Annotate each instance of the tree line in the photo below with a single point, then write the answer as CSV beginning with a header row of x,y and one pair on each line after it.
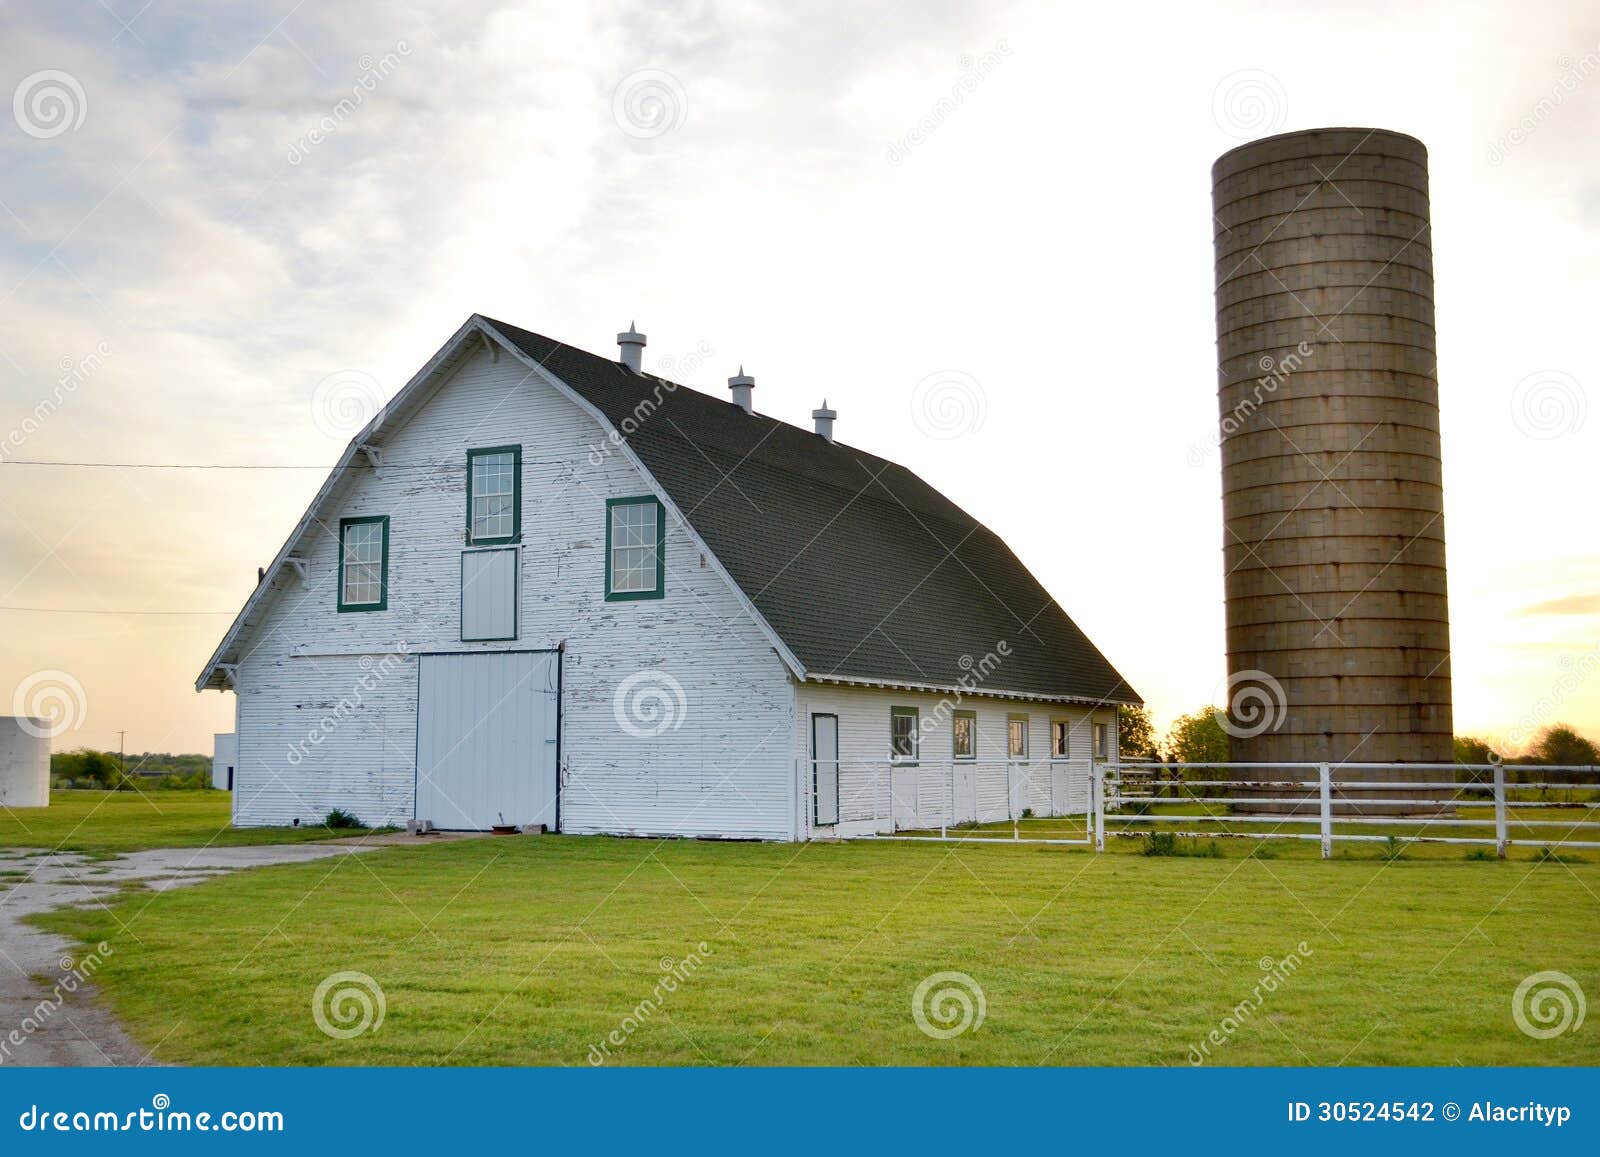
x,y
89,768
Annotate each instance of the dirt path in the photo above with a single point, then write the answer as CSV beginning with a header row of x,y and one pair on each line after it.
x,y
48,1014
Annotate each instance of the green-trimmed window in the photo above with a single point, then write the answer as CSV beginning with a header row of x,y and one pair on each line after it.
x,y
1017,736
964,735
364,563
494,495
1060,739
903,734
636,530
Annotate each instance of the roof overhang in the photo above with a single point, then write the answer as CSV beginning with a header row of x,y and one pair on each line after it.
x,y
965,692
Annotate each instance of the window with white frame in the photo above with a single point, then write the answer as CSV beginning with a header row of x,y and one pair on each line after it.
x,y
903,731
1060,739
964,735
1017,736
364,563
1102,749
494,495
635,566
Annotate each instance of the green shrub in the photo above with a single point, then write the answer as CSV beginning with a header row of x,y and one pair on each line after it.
x,y
339,818
1170,844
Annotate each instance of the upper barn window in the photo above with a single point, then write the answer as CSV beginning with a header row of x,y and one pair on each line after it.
x,y
364,563
494,495
635,557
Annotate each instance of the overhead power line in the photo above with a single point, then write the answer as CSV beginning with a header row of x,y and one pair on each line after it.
x,y
92,611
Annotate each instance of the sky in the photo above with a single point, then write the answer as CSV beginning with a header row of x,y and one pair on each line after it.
x,y
981,231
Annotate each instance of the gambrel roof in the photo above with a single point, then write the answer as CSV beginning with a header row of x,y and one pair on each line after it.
x,y
857,569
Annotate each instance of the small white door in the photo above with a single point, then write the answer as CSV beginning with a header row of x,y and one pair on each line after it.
x,y
966,792
486,739
825,768
906,781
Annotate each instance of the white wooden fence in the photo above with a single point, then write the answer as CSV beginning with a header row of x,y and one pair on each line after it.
x,y
1331,803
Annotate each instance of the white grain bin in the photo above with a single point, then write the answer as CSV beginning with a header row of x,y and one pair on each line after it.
x,y
224,754
24,762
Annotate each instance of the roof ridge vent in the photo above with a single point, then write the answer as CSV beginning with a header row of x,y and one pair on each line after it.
x,y
824,420
632,345
742,384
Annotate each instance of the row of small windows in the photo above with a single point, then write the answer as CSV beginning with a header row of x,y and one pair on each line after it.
x,y
635,562
905,734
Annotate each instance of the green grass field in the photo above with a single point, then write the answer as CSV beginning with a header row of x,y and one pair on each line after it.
x,y
126,821
536,950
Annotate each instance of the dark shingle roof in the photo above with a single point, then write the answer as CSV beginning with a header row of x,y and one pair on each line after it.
x,y
861,568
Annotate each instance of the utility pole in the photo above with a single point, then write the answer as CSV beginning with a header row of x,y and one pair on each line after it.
x,y
122,755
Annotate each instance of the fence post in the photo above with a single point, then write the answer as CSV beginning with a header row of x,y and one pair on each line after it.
x,y
1500,840
1325,784
1099,806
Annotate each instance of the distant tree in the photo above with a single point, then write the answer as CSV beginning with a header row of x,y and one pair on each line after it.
x,y
1470,750
1198,737
1136,734
98,767
1561,744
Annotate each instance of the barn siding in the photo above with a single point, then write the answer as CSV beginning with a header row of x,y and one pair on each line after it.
x,y
865,774
725,768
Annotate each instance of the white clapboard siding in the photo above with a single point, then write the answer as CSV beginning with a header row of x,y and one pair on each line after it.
x,y
982,789
489,595
721,766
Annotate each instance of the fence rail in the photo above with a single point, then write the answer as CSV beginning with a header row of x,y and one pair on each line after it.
x,y
966,802
1129,801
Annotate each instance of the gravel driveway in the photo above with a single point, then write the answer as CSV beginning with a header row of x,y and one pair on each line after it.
x,y
48,1015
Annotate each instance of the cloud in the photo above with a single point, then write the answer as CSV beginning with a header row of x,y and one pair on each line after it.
x,y
1566,605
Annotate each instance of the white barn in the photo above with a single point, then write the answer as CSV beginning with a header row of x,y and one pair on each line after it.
x,y
546,587
224,747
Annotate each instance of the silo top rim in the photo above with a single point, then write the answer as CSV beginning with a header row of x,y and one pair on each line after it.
x,y
1368,134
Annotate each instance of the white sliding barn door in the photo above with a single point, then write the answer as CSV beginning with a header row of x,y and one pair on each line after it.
x,y
486,739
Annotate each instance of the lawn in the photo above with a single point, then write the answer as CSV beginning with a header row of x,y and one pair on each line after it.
x,y
126,821
541,950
